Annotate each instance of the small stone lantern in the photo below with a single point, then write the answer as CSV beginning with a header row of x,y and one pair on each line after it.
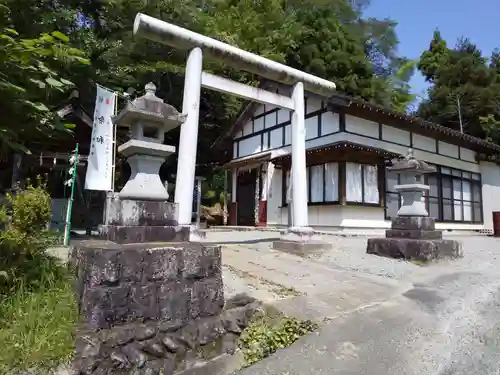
x,y
149,118
412,186
413,234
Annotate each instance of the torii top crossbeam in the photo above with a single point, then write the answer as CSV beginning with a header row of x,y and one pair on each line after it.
x,y
160,31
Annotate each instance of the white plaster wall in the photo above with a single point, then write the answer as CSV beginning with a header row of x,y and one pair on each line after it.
x,y
312,127
276,138
392,134
403,150
247,129
329,123
361,126
265,142
335,217
274,199
424,143
467,155
271,119
313,105
490,174
288,135
258,123
260,110
283,115
250,146
448,149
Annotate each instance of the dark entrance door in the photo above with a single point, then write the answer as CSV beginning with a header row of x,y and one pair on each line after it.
x,y
245,195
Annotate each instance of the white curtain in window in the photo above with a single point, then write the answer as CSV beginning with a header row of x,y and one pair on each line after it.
x,y
331,182
457,210
457,203
466,191
317,183
353,183
467,197
467,211
457,189
371,184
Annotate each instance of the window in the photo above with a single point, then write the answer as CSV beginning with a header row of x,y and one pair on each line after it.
x,y
331,182
316,192
322,183
362,183
453,195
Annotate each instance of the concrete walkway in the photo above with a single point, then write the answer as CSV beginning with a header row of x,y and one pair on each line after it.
x,y
379,316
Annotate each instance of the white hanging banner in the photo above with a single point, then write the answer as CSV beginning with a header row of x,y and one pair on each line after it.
x,y
100,162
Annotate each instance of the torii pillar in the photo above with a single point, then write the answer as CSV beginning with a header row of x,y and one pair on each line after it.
x,y
300,235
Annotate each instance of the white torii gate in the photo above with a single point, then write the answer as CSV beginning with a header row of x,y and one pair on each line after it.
x,y
178,37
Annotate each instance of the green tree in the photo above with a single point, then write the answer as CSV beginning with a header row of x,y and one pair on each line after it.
x,y
330,38
465,87
31,82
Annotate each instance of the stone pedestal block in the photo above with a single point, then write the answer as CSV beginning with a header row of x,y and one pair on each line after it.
x,y
415,249
414,238
139,221
121,283
153,310
301,242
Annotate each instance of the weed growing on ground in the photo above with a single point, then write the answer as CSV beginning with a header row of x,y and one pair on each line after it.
x,y
36,325
266,335
37,304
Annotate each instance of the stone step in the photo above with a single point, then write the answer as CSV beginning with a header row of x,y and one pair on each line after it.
x,y
413,223
417,234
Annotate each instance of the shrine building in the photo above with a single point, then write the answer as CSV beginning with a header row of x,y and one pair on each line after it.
x,y
349,142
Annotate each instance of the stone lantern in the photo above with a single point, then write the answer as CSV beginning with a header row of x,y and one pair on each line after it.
x,y
140,211
148,118
413,235
412,187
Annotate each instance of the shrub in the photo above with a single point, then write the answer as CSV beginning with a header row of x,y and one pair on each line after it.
x,y
25,238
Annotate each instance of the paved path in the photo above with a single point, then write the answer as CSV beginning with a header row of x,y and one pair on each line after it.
x,y
380,316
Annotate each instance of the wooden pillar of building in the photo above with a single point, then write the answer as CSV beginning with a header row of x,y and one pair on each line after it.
x,y
266,177
233,207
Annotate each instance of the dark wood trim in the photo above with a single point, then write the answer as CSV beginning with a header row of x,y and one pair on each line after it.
x,y
403,145
342,127
342,184
320,124
381,183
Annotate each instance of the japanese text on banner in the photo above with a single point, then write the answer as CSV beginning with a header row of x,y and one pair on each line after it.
x,y
100,162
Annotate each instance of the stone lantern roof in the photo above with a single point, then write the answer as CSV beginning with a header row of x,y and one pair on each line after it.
x,y
410,164
150,109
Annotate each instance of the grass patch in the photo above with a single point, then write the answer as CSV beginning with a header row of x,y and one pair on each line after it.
x,y
418,262
36,326
267,334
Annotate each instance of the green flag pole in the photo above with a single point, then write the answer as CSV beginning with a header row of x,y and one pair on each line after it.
x,y
73,161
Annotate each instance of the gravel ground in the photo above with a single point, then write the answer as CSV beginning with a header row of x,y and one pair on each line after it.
x,y
382,316
481,253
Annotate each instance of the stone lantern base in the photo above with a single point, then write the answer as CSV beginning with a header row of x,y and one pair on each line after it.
x,y
139,221
414,238
301,241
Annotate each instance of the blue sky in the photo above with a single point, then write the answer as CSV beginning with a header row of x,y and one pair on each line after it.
x,y
478,20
